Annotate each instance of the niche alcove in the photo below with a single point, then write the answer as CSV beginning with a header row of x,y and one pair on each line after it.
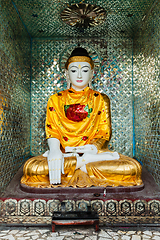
x,y
36,40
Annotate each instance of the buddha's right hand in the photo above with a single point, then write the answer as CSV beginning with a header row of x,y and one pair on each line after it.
x,y
54,161
88,148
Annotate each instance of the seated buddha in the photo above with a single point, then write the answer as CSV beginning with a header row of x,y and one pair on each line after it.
x,y
78,130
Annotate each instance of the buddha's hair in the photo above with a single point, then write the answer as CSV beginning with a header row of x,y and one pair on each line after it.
x,y
79,55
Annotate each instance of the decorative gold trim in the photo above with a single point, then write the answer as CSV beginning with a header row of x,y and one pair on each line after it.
x,y
79,59
83,15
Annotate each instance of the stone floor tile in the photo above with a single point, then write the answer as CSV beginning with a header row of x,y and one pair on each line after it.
x,y
104,234
130,232
75,233
35,237
23,238
32,233
104,238
24,232
19,234
111,233
59,238
53,234
156,237
68,238
149,233
156,233
136,237
91,238
8,237
146,236
115,237
84,231
46,235
13,232
78,236
121,232
43,231
2,234
66,233
124,237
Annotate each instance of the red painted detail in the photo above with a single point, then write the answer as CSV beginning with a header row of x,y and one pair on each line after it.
x,y
84,138
76,112
75,222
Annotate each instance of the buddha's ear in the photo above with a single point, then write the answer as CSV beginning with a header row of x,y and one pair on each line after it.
x,y
92,73
90,81
66,73
67,79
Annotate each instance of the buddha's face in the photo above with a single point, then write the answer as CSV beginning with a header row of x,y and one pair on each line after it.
x,y
80,74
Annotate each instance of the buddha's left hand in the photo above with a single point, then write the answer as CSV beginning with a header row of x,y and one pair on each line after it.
x,y
89,157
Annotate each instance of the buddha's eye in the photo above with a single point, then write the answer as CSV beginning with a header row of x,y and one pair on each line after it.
x,y
85,70
73,71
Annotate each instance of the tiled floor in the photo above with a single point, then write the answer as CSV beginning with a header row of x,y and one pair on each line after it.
x,y
80,233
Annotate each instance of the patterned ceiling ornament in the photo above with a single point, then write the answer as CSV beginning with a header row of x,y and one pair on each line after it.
x,y
83,15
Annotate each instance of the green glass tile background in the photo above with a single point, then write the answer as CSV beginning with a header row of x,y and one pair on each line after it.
x,y
14,95
147,93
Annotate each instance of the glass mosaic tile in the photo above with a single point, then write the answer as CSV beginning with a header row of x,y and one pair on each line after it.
x,y
14,95
146,94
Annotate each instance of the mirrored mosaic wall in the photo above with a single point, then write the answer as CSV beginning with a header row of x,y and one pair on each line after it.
x,y
43,17
14,95
146,93
113,76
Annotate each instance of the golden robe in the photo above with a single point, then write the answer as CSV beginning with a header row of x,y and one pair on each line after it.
x,y
77,119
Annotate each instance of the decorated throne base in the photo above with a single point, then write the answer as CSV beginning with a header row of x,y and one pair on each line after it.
x,y
114,208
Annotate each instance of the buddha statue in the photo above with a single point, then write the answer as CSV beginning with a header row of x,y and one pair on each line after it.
x,y
78,130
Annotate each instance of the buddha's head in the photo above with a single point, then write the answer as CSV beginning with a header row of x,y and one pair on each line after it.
x,y
79,69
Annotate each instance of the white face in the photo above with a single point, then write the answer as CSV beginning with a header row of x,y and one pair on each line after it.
x,y
80,74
